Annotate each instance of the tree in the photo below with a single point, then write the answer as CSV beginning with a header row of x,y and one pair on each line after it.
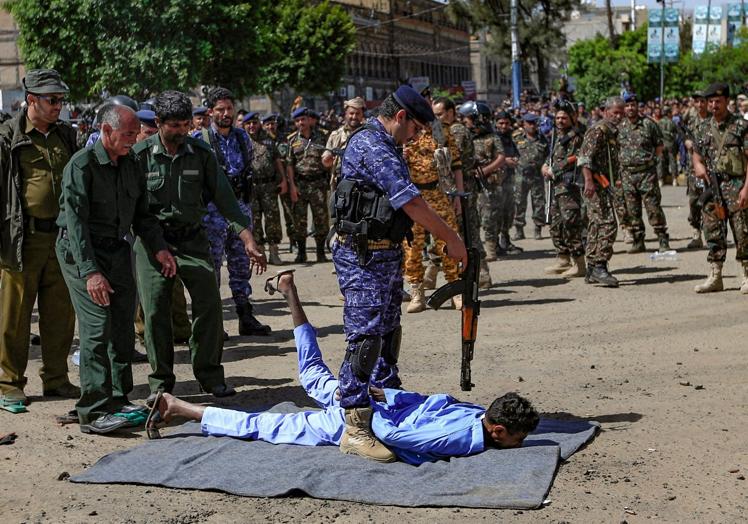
x,y
539,26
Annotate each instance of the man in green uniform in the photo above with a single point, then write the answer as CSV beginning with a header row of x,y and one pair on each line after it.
x,y
103,195
722,154
692,124
182,176
34,148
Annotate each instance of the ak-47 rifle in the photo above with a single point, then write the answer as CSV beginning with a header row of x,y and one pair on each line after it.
x,y
549,181
467,286
712,193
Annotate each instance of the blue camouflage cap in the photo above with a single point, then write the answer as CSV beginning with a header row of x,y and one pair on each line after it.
x,y
530,118
629,97
414,104
299,112
199,110
147,117
252,115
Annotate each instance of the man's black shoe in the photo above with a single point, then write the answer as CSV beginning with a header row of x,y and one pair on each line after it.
x,y
222,390
300,253
132,408
511,249
638,246
248,324
35,339
600,275
104,424
138,357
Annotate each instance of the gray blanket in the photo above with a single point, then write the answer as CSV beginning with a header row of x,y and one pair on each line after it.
x,y
515,478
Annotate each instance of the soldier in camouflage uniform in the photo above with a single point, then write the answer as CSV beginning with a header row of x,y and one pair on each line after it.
x,y
503,203
692,123
419,155
641,146
267,175
598,158
270,125
444,109
567,221
668,164
354,118
307,184
533,150
722,153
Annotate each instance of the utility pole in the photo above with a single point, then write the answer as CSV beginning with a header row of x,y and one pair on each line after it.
x,y
662,55
633,15
708,20
516,66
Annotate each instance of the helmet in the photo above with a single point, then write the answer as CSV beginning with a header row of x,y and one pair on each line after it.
x,y
479,112
148,104
123,100
468,109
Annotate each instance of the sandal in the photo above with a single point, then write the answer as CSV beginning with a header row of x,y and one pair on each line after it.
x,y
13,406
270,287
154,417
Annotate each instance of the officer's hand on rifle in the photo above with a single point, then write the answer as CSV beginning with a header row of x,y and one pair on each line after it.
x,y
455,248
254,252
699,169
511,161
546,170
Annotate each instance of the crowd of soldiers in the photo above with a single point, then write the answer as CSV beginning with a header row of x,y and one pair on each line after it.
x,y
177,189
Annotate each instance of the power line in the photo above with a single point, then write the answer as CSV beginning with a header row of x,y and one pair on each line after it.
x,y
381,23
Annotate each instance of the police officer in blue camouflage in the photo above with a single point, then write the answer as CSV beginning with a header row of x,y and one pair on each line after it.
x,y
375,204
233,149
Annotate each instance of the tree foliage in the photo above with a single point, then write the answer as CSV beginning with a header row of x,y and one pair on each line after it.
x,y
598,69
145,46
539,27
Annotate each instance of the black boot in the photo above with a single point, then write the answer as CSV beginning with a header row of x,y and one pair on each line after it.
x,y
248,324
321,257
300,252
638,245
600,275
664,239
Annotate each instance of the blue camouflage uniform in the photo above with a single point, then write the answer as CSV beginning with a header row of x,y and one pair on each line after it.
x,y
373,291
222,238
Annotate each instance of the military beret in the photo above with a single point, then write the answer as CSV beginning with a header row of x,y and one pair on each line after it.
x,y
629,97
698,94
268,118
44,81
199,110
252,115
717,89
530,118
312,114
298,113
503,115
147,117
414,104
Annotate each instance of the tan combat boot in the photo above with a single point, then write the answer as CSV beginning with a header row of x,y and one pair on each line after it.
x,y
429,277
563,262
578,268
484,278
744,283
490,247
713,282
358,438
274,259
417,299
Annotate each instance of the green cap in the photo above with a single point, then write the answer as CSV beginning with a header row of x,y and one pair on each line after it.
x,y
44,81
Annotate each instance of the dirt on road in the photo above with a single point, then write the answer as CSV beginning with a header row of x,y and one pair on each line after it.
x,y
661,368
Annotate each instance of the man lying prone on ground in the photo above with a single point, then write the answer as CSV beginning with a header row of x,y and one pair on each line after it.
x,y
413,427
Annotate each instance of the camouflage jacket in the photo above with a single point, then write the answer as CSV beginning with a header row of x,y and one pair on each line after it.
x,y
305,155
563,157
533,152
488,146
732,135
638,142
419,153
264,155
599,149
669,132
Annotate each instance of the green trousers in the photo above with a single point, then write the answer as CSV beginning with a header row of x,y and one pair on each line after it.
x,y
180,321
106,336
40,280
195,268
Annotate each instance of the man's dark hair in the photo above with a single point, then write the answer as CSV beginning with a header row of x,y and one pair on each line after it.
x,y
216,94
446,102
389,108
173,105
513,412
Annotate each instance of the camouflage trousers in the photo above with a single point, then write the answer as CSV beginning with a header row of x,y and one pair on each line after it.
x,y
715,232
287,208
667,164
414,269
223,240
641,188
601,227
619,203
313,194
372,295
694,189
496,207
535,187
473,223
265,204
566,221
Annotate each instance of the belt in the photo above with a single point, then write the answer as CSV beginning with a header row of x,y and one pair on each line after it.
x,y
45,225
178,232
107,243
372,245
312,178
635,170
428,185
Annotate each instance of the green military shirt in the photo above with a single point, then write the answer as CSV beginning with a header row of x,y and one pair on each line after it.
x,y
638,142
669,131
488,146
264,155
724,146
532,153
41,164
305,155
101,199
180,186
563,159
599,150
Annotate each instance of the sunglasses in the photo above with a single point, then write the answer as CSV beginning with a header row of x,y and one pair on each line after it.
x,y
53,100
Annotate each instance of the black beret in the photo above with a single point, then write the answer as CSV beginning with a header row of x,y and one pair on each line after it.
x,y
717,89
298,113
414,104
199,110
252,115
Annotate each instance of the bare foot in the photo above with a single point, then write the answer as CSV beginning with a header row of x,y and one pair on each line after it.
x,y
170,407
286,284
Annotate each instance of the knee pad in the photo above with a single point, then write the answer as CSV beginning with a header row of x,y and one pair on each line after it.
x,y
391,345
364,357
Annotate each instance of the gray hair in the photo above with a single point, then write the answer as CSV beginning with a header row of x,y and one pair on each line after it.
x,y
614,101
112,114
